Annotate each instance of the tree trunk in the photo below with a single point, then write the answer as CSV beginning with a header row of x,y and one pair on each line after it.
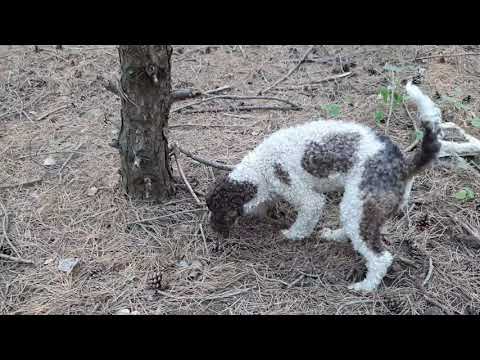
x,y
145,91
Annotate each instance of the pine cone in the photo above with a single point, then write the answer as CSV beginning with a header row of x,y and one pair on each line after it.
x,y
5,250
157,281
394,304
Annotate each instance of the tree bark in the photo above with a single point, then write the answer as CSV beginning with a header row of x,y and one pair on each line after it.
x,y
143,144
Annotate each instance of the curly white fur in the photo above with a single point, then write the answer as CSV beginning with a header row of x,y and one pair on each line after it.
x,y
307,192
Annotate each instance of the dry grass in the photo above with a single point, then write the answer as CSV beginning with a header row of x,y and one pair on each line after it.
x,y
52,104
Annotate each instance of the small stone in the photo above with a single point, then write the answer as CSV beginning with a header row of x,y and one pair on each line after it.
x,y
123,312
92,191
67,265
49,161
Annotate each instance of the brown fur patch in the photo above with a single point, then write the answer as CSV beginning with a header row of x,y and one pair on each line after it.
x,y
375,212
282,174
336,153
225,200
386,171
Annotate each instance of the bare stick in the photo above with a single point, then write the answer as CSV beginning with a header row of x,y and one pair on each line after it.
x,y
26,183
16,259
223,295
184,178
5,228
417,139
390,110
406,261
217,90
445,55
68,159
296,281
233,97
204,161
202,233
48,113
207,126
290,72
430,271
314,82
241,108
163,216
182,94
243,51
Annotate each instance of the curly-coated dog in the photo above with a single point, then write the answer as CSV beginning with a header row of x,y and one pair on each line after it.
x,y
302,163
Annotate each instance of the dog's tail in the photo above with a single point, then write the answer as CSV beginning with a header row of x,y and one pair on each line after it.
x,y
430,117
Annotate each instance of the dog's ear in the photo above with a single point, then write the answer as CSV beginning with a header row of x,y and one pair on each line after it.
x,y
214,193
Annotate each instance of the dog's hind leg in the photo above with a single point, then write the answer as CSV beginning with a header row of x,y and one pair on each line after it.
x,y
309,206
338,235
362,220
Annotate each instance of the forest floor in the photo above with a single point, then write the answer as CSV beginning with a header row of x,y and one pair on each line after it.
x,y
60,196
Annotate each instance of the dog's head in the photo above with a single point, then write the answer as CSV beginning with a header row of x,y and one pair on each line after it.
x,y
225,200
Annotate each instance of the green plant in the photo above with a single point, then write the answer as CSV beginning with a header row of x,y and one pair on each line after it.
x,y
333,110
466,194
418,135
379,117
476,122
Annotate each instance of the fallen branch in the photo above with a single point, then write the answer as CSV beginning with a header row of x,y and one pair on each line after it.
x,y
183,94
417,140
445,55
201,298
204,161
48,113
26,183
430,271
163,216
206,126
314,82
184,178
176,95
5,229
233,97
290,72
16,259
69,158
296,281
240,108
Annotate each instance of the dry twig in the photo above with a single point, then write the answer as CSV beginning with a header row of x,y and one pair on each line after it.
x,y
445,55
204,161
429,273
25,183
15,259
50,112
184,178
233,97
310,49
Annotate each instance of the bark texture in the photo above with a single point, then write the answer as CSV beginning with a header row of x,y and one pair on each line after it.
x,y
143,144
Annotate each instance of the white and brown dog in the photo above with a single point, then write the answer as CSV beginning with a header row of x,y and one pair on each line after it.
x,y
302,163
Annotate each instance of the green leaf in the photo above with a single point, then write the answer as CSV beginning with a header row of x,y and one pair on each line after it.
x,y
397,98
333,110
393,68
476,122
418,135
466,194
385,93
379,116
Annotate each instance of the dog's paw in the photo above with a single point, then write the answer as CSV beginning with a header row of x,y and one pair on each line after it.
x,y
337,235
290,235
362,287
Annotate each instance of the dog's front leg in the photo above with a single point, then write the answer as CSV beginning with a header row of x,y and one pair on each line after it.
x,y
309,210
